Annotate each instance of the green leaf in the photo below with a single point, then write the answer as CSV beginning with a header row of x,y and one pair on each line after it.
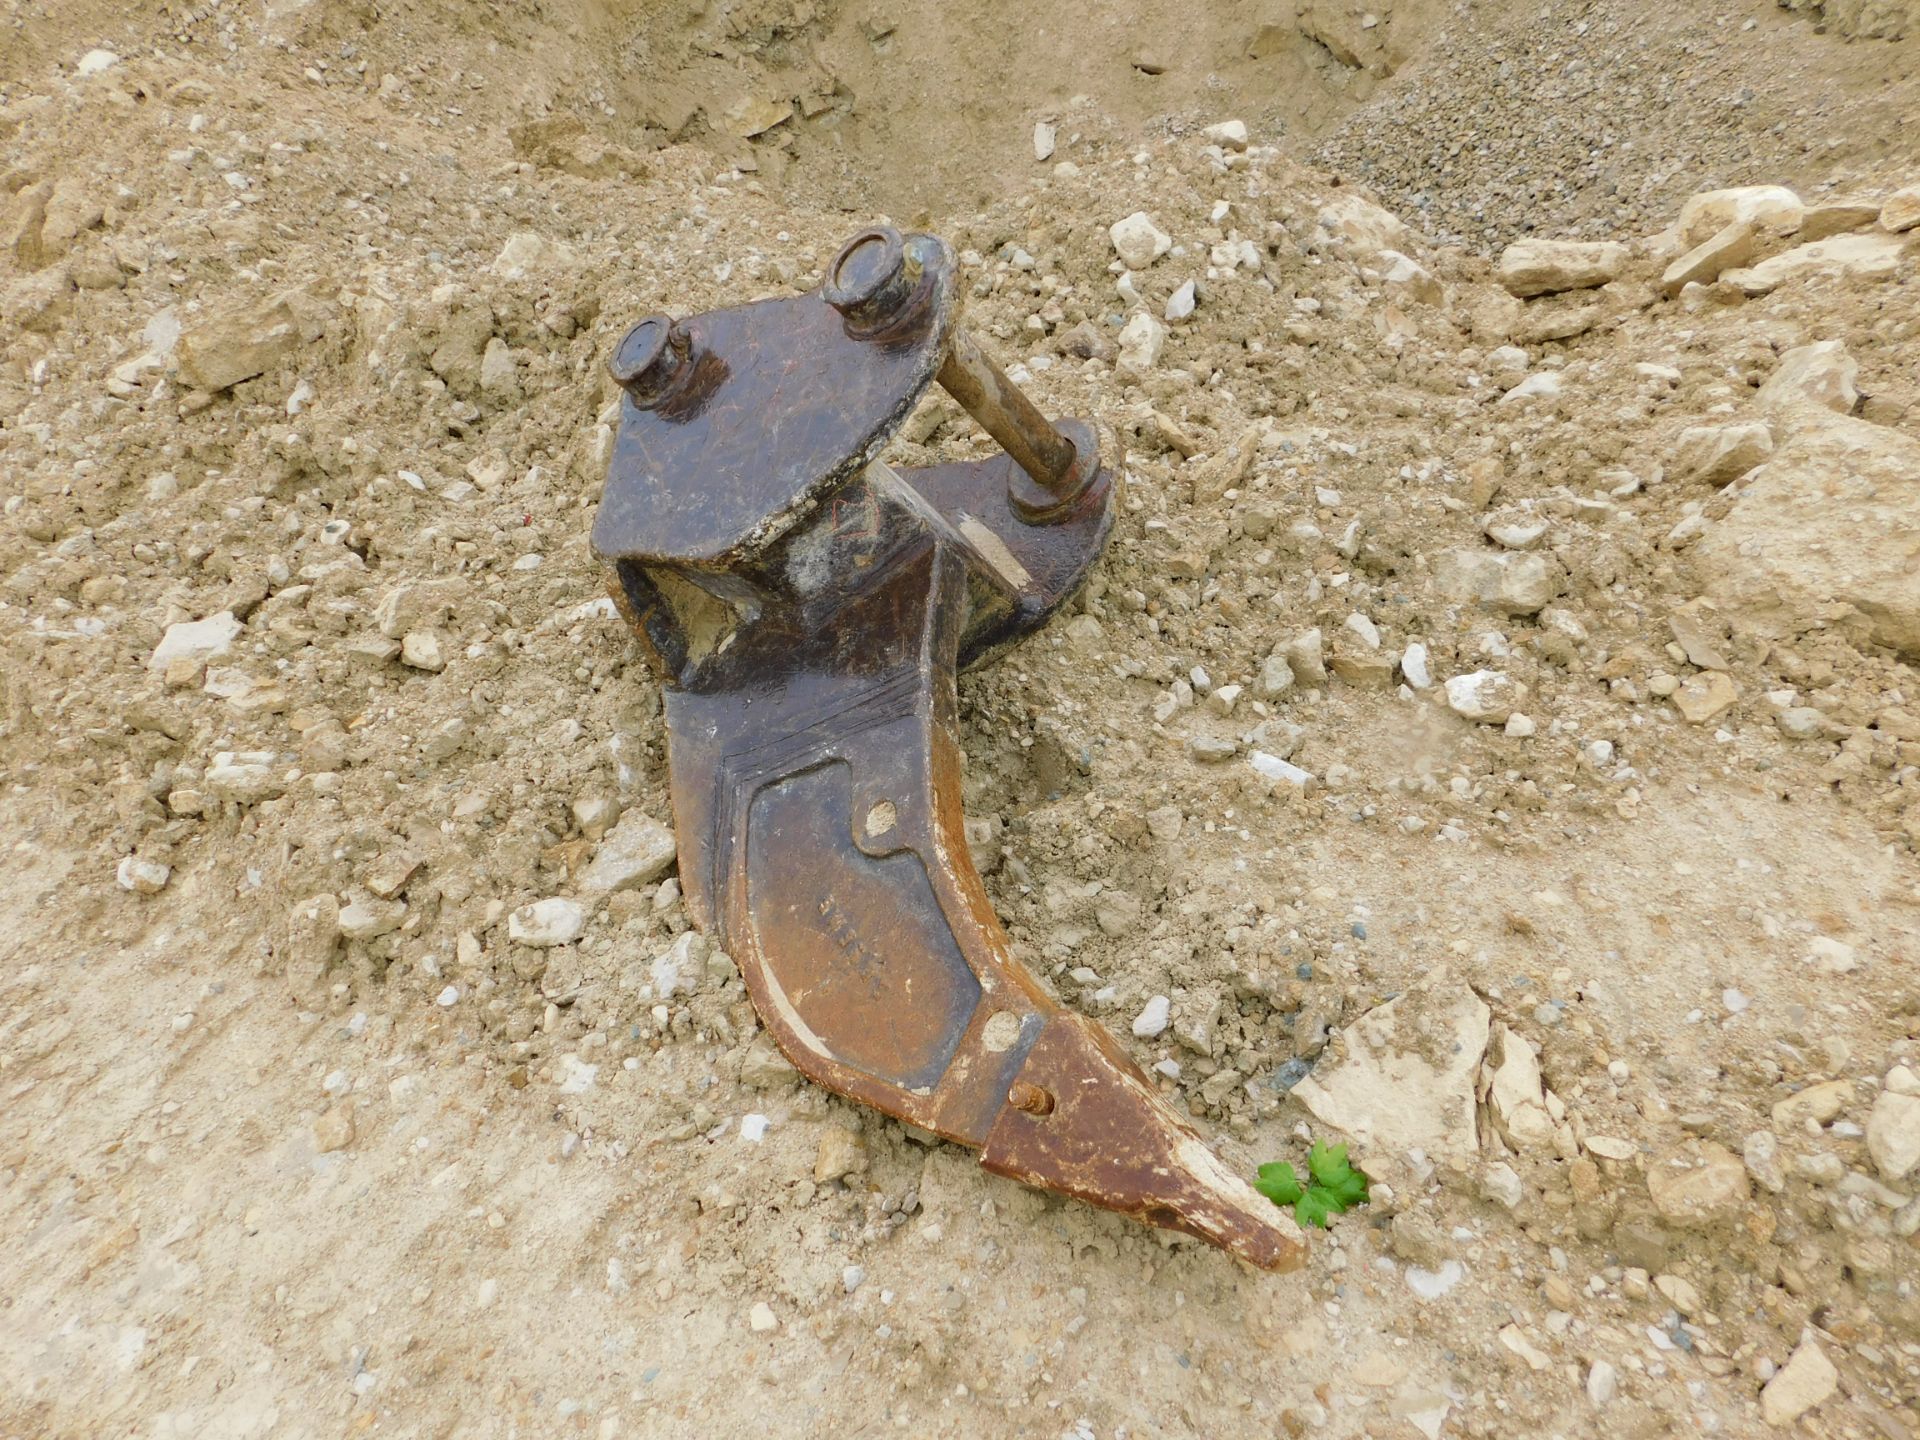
x,y
1351,1191
1334,1185
1278,1183
1328,1163
1313,1208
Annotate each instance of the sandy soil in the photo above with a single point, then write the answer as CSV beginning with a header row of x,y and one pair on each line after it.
x,y
305,309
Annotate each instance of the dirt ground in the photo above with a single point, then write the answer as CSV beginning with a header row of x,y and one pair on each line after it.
x,y
1580,590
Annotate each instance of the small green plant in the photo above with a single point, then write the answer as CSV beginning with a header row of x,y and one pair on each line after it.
x,y
1332,1185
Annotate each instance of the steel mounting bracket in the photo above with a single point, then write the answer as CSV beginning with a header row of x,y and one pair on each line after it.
x,y
807,608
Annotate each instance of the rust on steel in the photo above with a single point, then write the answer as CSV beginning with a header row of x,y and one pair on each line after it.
x,y
1004,412
807,608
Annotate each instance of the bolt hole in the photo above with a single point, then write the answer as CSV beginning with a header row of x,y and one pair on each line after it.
x,y
882,817
1001,1030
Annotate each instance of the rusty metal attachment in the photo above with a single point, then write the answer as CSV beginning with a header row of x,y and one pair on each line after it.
x,y
807,608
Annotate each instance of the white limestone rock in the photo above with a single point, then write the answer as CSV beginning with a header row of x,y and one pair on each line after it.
x,y
1823,531
1715,454
1547,267
635,852
1486,697
1141,340
545,923
1138,241
1822,374
1402,1076
1865,256
198,641
1764,207
142,876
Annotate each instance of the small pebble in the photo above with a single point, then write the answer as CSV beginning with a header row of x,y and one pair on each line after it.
x,y
142,876
1151,1022
1603,1383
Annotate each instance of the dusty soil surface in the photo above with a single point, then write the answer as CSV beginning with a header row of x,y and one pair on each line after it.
x,y
1578,600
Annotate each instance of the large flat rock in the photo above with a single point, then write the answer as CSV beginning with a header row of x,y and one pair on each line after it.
x,y
1402,1075
1827,531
